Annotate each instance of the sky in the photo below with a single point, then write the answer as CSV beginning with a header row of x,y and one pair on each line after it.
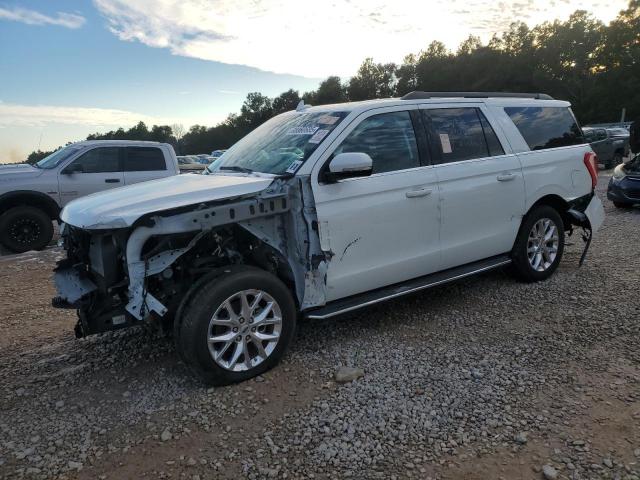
x,y
73,67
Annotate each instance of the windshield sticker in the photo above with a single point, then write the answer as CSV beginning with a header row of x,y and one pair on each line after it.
x,y
328,120
294,166
446,144
317,138
302,131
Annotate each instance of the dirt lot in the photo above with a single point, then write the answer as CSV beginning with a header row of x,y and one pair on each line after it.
x,y
484,378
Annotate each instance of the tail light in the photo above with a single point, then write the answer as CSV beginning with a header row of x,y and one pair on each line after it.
x,y
591,162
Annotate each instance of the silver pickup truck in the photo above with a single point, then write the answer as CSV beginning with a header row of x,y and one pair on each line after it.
x,y
31,196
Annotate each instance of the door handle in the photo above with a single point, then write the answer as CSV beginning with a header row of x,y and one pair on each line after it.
x,y
505,177
112,180
423,192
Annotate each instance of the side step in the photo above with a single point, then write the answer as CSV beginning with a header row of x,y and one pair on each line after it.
x,y
361,300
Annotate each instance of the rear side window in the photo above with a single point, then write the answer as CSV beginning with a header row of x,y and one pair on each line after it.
x,y
388,138
461,134
98,160
144,159
546,127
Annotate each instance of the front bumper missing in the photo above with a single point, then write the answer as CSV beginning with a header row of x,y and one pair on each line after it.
x,y
71,287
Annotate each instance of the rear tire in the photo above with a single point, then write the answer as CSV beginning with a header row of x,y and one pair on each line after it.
x,y
25,228
250,313
539,245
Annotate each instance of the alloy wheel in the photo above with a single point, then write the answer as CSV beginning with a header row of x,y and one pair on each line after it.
x,y
244,330
542,244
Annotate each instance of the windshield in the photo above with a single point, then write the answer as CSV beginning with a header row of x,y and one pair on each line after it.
x,y
57,157
281,144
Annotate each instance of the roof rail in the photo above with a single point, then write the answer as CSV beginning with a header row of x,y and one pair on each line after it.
x,y
417,95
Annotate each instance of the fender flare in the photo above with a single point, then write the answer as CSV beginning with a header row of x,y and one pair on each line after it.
x,y
31,198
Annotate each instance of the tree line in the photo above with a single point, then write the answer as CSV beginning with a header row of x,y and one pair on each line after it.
x,y
593,65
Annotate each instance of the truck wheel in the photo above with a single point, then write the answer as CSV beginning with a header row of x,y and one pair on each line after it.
x,y
237,326
25,228
539,245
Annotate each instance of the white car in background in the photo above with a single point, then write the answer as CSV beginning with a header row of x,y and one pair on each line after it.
x,y
324,210
31,196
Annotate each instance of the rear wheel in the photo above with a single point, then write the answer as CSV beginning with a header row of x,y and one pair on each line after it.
x,y
25,228
539,246
237,326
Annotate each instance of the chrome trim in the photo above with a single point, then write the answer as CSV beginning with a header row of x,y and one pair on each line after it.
x,y
416,289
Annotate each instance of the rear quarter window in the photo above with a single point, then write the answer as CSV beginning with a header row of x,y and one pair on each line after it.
x,y
546,127
144,159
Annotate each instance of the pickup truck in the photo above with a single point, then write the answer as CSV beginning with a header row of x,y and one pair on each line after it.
x,y
609,144
32,196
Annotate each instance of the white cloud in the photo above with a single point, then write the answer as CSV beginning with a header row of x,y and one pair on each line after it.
x,y
32,17
14,115
320,38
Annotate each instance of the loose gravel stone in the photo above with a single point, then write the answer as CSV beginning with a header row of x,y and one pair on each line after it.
x,y
348,374
549,472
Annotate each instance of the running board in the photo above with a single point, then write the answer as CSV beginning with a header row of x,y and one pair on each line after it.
x,y
355,302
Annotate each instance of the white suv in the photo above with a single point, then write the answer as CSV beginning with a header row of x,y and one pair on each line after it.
x,y
327,209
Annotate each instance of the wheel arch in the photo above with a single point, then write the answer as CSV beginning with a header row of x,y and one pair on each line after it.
x,y
30,198
557,203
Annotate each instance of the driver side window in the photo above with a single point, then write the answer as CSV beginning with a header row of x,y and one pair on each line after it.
x,y
388,138
98,160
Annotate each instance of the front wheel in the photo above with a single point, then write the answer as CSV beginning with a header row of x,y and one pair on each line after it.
x,y
237,326
539,246
25,228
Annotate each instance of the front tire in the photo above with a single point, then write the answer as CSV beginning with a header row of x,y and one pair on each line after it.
x,y
25,228
237,326
539,246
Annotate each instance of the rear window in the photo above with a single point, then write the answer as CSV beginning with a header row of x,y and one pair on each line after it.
x,y
144,159
546,127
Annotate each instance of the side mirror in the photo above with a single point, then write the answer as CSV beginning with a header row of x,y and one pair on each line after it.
x,y
72,168
349,165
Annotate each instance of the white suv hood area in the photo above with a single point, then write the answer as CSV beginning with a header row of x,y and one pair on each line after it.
x,y
121,207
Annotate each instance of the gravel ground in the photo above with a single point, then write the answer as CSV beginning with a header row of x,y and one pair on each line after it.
x,y
483,378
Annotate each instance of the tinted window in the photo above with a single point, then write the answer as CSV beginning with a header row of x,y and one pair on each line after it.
x,y
589,135
143,159
461,134
546,127
389,140
99,160
490,136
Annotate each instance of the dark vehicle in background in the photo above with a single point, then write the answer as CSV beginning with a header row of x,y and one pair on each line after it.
x,y
610,144
624,186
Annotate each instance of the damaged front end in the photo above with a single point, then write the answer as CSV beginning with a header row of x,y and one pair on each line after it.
x,y
121,277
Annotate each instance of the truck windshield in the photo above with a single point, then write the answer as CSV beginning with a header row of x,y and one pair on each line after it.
x,y
57,157
281,144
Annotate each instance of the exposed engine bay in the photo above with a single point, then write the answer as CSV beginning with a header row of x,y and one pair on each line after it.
x,y
120,277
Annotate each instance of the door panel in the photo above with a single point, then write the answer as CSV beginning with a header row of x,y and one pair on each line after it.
x,y
93,171
384,228
378,232
482,206
481,188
